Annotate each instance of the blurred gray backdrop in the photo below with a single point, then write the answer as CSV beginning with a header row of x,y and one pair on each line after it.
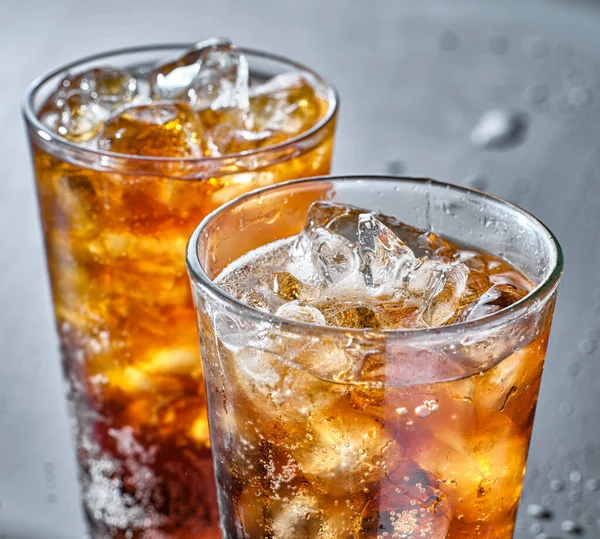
x,y
415,78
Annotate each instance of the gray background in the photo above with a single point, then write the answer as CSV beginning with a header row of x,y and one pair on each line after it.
x,y
415,77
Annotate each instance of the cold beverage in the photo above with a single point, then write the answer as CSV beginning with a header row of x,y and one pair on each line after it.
x,y
131,150
370,386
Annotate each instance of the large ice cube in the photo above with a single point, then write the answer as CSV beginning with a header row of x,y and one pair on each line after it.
x,y
83,102
440,286
284,106
383,255
213,74
345,452
310,514
159,130
481,471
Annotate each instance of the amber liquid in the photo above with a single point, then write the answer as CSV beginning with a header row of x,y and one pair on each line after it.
x,y
300,455
116,256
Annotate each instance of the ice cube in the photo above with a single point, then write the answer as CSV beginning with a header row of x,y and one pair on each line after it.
x,y
355,316
346,452
108,85
323,214
511,386
76,116
158,130
225,138
284,106
383,255
481,471
289,288
301,517
280,375
301,313
496,298
213,74
333,257
440,286
83,102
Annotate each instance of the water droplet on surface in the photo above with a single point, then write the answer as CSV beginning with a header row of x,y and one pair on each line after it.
x,y
537,93
578,97
574,496
538,511
592,334
547,500
396,167
592,484
499,129
573,368
586,346
477,181
565,408
536,527
570,526
449,40
575,476
499,45
556,485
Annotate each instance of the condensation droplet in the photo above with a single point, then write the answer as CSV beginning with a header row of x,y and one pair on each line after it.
x,y
497,129
565,408
578,97
574,496
592,334
557,485
477,181
586,346
538,511
575,476
396,167
536,527
564,451
573,368
592,484
547,500
570,526
537,93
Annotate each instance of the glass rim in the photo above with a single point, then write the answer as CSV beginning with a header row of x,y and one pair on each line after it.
x,y
42,131
239,308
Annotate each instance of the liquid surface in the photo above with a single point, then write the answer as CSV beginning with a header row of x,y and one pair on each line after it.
x,y
355,269
202,104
